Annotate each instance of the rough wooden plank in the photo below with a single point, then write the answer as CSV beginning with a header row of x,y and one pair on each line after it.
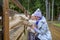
x,y
14,23
22,37
17,33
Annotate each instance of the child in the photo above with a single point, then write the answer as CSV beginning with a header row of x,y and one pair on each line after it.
x,y
31,32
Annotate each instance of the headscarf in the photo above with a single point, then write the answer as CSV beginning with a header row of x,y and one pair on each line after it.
x,y
37,13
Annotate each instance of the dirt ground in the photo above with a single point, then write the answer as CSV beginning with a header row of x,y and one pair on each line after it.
x,y
55,31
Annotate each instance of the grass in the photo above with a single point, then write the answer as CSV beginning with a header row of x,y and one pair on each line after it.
x,y
57,24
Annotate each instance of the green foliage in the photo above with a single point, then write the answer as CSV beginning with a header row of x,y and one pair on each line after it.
x,y
1,2
34,4
13,6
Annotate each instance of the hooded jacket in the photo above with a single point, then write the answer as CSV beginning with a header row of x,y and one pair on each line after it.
x,y
43,32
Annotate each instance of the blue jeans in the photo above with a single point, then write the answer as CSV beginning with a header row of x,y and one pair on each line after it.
x,y
31,36
36,38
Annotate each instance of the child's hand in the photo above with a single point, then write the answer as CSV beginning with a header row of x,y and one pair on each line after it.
x,y
28,28
33,26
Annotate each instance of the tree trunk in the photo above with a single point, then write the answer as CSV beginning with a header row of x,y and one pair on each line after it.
x,y
52,9
47,9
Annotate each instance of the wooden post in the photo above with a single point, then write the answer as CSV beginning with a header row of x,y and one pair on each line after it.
x,y
5,20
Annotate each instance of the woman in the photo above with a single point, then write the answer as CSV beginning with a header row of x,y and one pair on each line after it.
x,y
41,27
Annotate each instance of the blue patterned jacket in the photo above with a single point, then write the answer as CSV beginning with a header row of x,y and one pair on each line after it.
x,y
42,30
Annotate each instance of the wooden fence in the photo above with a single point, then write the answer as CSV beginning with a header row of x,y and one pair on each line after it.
x,y
13,30
17,28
